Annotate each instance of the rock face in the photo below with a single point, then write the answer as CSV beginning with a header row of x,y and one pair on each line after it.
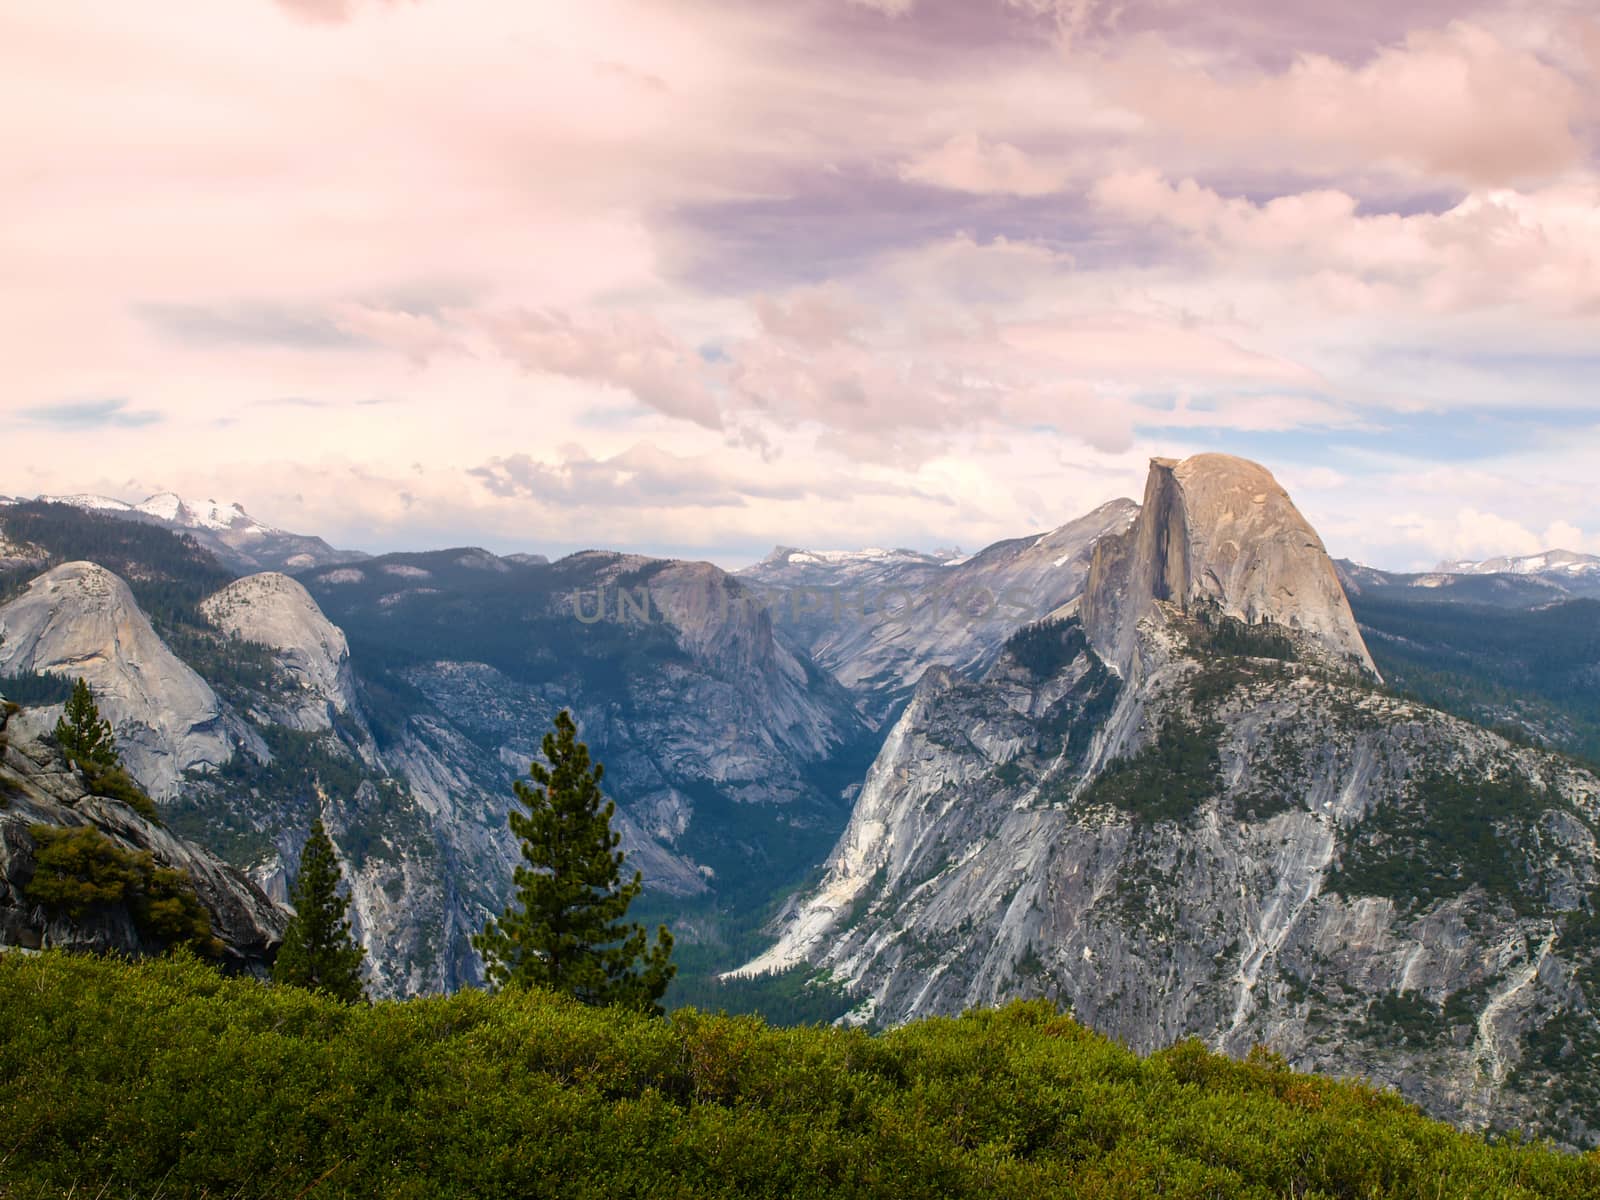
x,y
80,620
277,612
1237,838
1217,530
878,619
38,788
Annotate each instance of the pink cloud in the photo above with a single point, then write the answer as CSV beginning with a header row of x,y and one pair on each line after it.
x,y
418,336
813,318
1456,102
1494,248
969,163
626,350
328,11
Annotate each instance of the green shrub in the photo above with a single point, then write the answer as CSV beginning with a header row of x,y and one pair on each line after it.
x,y
75,869
162,1077
79,869
116,784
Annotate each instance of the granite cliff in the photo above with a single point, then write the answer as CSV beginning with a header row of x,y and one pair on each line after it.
x,y
1219,532
1195,812
39,789
80,620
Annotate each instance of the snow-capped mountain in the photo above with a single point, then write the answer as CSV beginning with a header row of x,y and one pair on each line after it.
x,y
1546,562
223,527
206,514
173,509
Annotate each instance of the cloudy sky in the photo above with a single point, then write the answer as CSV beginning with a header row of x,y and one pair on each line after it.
x,y
696,278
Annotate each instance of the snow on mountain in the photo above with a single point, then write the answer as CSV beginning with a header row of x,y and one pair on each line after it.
x,y
203,514
223,527
1546,562
90,502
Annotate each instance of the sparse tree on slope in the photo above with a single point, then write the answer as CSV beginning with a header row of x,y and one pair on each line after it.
x,y
86,739
318,952
565,930
84,735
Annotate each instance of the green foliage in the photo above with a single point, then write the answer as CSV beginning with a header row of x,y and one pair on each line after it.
x,y
1229,636
1169,779
30,689
1449,834
83,735
1535,669
566,930
78,870
798,996
318,952
117,784
1405,1019
90,746
1044,647
238,670
165,1078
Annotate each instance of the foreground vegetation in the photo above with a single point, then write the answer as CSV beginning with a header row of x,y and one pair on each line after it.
x,y
164,1077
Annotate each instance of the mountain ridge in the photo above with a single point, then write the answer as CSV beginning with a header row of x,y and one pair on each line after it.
x,y
1241,836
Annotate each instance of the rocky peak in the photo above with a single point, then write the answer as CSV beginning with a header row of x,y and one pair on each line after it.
x,y
1219,532
199,514
277,612
80,620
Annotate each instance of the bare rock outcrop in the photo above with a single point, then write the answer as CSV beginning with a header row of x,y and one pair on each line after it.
x,y
37,787
277,612
1219,531
80,620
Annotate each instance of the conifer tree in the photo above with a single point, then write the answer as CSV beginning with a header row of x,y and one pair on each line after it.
x,y
84,735
565,928
318,952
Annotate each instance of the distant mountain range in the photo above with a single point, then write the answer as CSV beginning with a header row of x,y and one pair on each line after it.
x,y
1548,562
238,540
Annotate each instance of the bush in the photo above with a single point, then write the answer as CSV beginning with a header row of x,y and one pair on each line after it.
x,y
116,784
163,1077
78,869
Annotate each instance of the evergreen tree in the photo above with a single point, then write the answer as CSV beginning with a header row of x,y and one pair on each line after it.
x,y
90,746
318,952
84,735
565,930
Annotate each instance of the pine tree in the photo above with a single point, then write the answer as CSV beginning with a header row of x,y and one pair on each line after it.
x,y
84,735
318,952
90,746
565,930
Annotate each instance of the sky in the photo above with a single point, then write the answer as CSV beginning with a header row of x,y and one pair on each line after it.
x,y
700,278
